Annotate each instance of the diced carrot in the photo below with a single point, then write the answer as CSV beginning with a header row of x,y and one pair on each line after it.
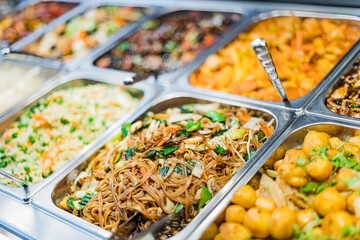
x,y
160,116
41,120
54,97
208,40
244,118
266,129
208,145
108,114
81,35
144,172
82,181
73,148
50,155
205,176
7,135
163,141
172,128
151,209
113,103
49,132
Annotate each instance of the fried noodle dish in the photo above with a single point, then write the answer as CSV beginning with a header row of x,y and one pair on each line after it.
x,y
176,160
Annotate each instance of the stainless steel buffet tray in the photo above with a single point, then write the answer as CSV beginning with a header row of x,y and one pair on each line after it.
x,y
292,137
163,79
75,79
33,35
40,218
149,11
263,14
52,194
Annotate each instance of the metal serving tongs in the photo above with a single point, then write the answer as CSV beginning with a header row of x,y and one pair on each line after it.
x,y
17,180
127,228
261,50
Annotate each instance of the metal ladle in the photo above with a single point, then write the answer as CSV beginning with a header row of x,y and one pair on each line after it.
x,y
261,50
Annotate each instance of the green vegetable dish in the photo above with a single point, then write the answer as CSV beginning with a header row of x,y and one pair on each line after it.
x,y
173,161
51,132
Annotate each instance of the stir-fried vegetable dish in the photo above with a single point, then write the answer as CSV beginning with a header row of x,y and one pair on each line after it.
x,y
19,81
345,98
172,161
304,51
167,43
84,32
51,132
312,193
15,26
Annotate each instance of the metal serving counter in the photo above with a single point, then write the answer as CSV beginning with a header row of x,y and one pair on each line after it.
x,y
34,215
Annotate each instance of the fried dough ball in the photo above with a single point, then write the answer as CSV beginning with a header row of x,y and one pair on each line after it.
x,y
334,222
235,213
234,231
341,177
282,223
355,140
293,155
319,169
245,196
329,200
352,200
265,204
258,222
304,217
315,140
210,232
297,177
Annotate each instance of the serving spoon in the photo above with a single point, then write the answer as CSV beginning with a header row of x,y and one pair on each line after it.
x,y
262,52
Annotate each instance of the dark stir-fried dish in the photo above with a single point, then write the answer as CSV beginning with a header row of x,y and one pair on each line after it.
x,y
173,161
168,42
345,99
310,194
15,26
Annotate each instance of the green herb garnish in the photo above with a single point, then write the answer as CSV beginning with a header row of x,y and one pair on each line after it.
x,y
219,149
205,197
130,152
193,126
86,198
163,171
215,116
